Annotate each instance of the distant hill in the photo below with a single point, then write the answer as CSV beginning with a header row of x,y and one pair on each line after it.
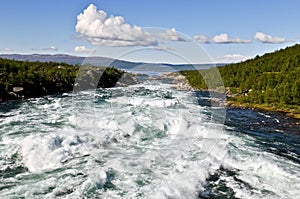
x,y
104,61
271,81
69,59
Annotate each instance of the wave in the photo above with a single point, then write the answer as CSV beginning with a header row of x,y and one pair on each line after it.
x,y
142,141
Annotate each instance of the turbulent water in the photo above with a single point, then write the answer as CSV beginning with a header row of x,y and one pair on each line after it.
x,y
144,141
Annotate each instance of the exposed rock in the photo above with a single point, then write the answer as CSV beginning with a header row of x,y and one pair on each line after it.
x,y
126,80
61,67
179,80
90,73
18,89
13,94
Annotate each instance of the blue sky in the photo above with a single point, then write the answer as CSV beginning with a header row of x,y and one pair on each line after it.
x,y
227,30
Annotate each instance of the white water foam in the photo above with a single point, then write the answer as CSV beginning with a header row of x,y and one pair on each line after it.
x,y
133,145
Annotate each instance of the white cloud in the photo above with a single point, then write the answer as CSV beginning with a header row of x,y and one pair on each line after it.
x,y
170,35
224,39
232,58
7,49
201,39
163,48
264,38
97,28
82,49
51,48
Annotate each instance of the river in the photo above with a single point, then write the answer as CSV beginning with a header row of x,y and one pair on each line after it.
x,y
145,141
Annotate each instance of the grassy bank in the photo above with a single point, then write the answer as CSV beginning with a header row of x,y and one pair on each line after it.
x,y
291,111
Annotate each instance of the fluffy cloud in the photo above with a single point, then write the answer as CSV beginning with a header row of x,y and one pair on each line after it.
x,y
82,49
201,39
233,58
163,48
264,38
170,35
51,48
97,28
7,49
224,39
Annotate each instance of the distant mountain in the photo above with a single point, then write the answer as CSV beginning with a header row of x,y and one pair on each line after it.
x,y
104,61
69,59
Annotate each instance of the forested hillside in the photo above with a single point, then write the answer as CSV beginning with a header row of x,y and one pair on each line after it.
x,y
272,80
22,79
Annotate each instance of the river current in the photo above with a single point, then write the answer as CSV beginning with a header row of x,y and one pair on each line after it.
x,y
145,141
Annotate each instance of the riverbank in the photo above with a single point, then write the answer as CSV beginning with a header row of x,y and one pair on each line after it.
x,y
293,112
269,82
22,79
232,100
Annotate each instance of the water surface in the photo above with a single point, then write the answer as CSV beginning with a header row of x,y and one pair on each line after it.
x,y
144,141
